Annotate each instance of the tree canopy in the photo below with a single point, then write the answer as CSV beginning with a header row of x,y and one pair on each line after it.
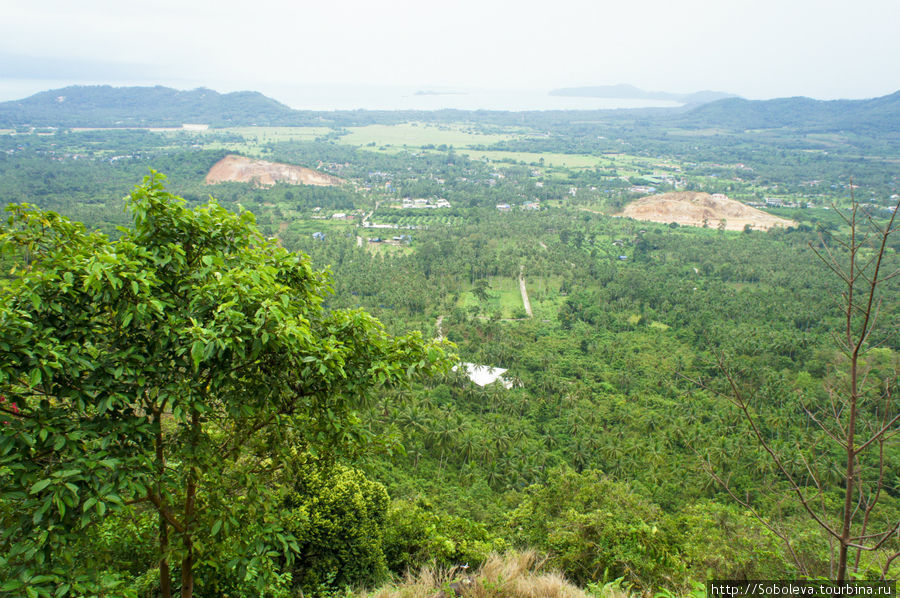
x,y
181,368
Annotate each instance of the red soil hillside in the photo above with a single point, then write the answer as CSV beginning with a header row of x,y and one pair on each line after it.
x,y
240,169
691,209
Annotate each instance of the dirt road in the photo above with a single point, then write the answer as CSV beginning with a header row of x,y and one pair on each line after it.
x,y
522,288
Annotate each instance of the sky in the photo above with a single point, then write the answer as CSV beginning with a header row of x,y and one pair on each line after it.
x,y
758,49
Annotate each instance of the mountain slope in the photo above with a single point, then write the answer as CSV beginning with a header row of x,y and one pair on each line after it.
x,y
106,106
882,114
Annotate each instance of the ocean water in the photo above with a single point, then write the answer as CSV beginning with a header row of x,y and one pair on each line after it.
x,y
431,98
361,97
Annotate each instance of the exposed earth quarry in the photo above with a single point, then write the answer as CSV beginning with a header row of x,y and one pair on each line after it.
x,y
240,169
691,209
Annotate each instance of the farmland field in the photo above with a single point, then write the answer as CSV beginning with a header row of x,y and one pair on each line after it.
x,y
419,134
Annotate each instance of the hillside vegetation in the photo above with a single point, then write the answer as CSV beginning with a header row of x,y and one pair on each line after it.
x,y
105,106
287,365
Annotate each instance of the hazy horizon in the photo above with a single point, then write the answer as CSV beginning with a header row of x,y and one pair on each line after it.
x,y
758,50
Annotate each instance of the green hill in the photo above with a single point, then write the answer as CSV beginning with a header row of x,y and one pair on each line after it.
x,y
881,114
106,106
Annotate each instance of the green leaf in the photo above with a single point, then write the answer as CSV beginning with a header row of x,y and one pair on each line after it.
x,y
38,486
197,349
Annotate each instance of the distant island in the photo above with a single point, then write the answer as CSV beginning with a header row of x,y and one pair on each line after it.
x,y
624,91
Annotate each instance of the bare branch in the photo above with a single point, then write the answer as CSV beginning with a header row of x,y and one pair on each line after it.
x,y
830,434
880,432
707,466
887,564
761,439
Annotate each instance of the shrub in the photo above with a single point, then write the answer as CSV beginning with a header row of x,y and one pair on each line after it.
x,y
416,536
338,516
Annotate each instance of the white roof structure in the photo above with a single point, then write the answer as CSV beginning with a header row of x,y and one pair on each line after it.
x,y
482,375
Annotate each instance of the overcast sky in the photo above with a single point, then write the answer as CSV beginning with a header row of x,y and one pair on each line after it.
x,y
756,48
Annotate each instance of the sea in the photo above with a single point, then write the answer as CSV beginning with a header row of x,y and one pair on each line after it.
x,y
368,97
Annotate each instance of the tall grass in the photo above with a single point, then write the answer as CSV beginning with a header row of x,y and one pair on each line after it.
x,y
512,575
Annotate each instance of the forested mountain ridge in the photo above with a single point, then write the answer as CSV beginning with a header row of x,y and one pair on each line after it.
x,y
106,106
807,114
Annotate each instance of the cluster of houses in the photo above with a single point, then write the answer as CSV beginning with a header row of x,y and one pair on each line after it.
x,y
774,202
317,211
396,240
646,190
528,205
423,203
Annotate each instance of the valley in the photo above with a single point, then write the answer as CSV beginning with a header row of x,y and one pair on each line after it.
x,y
513,236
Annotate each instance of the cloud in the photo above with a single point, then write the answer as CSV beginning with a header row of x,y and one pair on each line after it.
x,y
758,48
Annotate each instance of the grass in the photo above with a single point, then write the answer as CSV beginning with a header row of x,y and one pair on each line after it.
x,y
267,134
697,132
513,575
255,138
503,296
327,226
384,249
543,292
419,134
534,158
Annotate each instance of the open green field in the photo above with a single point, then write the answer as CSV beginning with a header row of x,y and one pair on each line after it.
x,y
384,249
308,227
549,159
419,134
503,297
254,138
696,132
267,134
625,164
543,293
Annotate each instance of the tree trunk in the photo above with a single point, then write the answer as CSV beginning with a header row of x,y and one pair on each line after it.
x,y
851,470
165,575
187,563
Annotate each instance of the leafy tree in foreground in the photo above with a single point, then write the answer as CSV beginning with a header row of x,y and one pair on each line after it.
x,y
181,368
